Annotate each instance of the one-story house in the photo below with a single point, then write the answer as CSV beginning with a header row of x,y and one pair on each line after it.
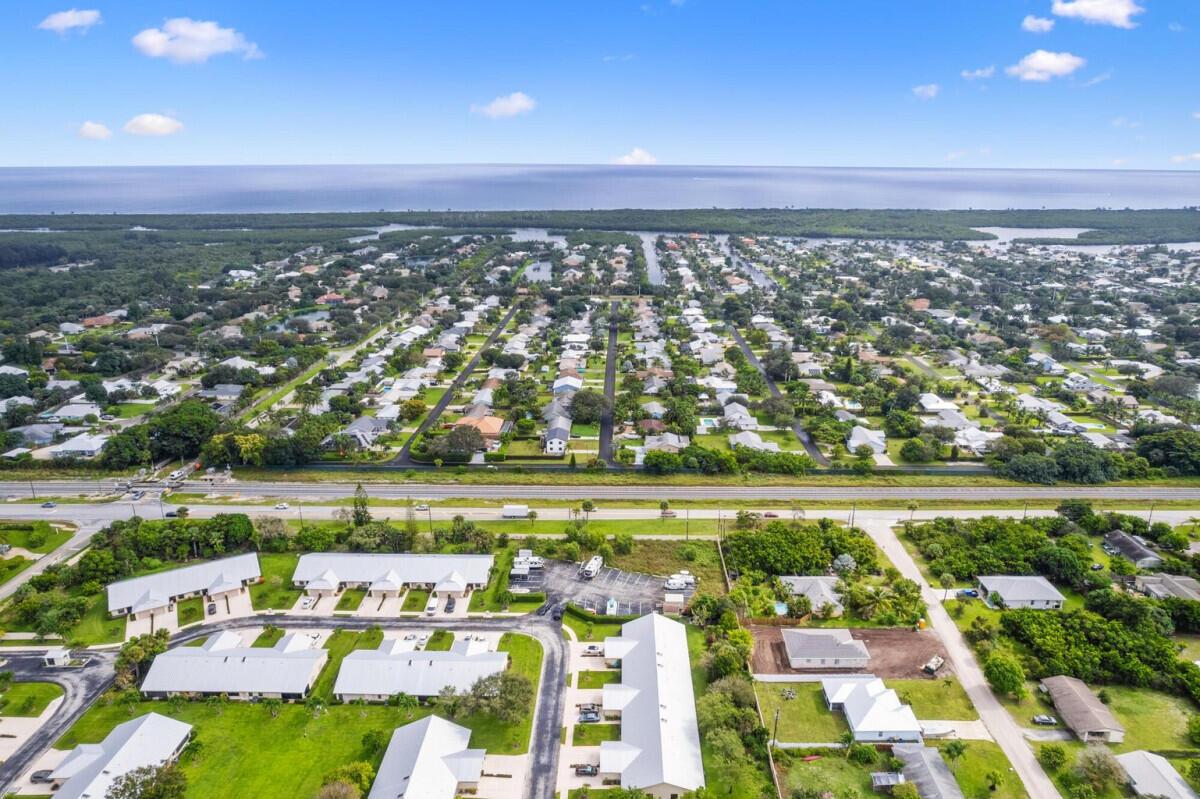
x,y
1020,591
1088,717
824,649
428,759
223,666
89,770
1133,550
821,592
925,768
873,711
396,667
329,573
1153,775
141,597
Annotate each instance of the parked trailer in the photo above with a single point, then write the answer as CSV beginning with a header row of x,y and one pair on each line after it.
x,y
515,512
590,569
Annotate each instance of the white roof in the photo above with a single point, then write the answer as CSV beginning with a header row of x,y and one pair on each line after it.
x,y
90,769
1153,775
871,707
395,668
156,590
427,759
660,742
367,568
223,665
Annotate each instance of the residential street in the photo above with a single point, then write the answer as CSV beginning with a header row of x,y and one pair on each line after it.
x,y
998,721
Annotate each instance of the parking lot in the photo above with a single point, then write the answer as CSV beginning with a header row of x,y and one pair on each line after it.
x,y
635,593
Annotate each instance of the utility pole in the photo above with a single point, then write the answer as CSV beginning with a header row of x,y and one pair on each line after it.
x,y
429,511
775,731
1025,512
32,490
687,517
1150,518
853,508
300,510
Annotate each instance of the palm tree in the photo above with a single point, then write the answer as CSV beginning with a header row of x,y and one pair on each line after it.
x,y
273,706
953,750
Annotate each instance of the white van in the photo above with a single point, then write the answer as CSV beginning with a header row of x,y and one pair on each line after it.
x,y
431,606
590,569
674,583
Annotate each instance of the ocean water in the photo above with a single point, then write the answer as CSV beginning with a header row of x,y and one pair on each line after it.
x,y
211,189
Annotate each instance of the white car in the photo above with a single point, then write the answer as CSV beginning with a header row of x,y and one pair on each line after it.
x,y
281,506
421,507
675,584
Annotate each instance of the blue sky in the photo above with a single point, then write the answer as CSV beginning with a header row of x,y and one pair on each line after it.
x,y
799,82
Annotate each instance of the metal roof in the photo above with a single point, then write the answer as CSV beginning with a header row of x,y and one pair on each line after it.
x,y
90,769
660,742
367,568
156,590
925,768
395,668
1153,775
1082,711
223,665
1017,588
823,643
427,759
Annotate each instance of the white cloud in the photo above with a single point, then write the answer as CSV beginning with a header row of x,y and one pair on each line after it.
x,y
153,125
1043,65
1184,159
1117,13
1103,76
1032,24
1120,161
79,19
1126,122
94,130
979,74
956,155
926,91
509,105
192,41
1176,27
636,157
1196,115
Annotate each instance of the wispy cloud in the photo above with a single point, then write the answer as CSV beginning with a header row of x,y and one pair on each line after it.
x,y
982,73
1187,158
636,157
1118,13
508,105
190,41
619,57
1176,27
94,130
1126,122
1043,65
926,91
153,125
1032,24
1098,79
75,19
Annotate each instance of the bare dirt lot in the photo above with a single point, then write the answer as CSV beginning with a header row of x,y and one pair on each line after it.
x,y
895,653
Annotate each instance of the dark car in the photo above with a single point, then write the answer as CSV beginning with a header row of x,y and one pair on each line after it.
x,y
449,605
543,609
589,717
172,514
42,776
212,608
49,504
770,515
1045,720
971,592
586,770
557,614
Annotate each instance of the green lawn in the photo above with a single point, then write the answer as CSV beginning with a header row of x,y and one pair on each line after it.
x,y
351,598
936,699
128,410
831,772
340,644
190,610
37,537
28,699
587,629
97,627
981,758
663,558
804,719
275,592
1153,720
11,567
415,600
268,637
593,734
440,641
597,679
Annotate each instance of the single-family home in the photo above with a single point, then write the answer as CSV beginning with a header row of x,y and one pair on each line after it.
x,y
1153,775
824,649
1020,591
1162,586
873,711
860,436
821,591
1132,550
925,768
